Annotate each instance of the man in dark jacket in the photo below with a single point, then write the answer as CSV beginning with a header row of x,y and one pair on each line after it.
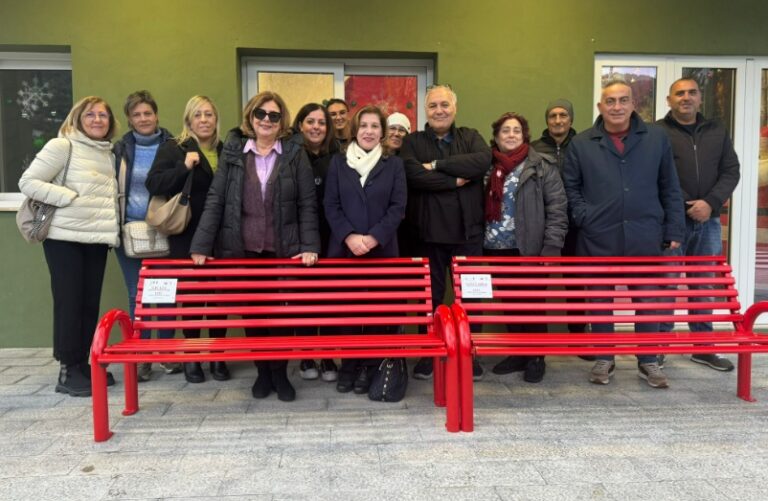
x,y
624,198
708,169
444,167
557,136
554,142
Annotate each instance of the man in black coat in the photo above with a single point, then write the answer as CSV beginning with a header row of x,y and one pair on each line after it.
x,y
444,167
708,169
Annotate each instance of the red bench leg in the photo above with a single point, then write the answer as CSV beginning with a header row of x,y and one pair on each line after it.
x,y
744,385
101,431
466,389
438,381
131,390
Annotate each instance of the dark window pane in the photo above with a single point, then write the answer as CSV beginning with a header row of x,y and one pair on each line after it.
x,y
33,103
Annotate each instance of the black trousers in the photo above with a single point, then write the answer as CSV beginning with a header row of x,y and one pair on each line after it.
x,y
77,274
440,262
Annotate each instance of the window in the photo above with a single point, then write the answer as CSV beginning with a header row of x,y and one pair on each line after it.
x,y
35,97
391,84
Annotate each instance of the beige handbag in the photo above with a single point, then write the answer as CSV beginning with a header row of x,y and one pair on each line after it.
x,y
139,239
171,216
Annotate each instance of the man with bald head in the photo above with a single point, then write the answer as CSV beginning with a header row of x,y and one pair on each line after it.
x,y
624,198
444,166
708,169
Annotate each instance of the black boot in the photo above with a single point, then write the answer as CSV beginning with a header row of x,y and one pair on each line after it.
x,y
263,385
193,372
363,381
282,386
73,382
219,371
85,367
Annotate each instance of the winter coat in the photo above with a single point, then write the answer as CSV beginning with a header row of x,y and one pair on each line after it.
x,y
294,203
706,162
435,204
87,205
167,177
375,209
541,217
623,204
547,145
125,151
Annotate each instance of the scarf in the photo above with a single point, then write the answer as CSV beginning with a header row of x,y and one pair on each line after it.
x,y
362,161
503,164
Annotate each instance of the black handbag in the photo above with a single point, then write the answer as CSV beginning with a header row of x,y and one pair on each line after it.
x,y
389,381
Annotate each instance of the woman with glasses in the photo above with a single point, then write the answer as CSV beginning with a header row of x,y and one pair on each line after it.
x,y
525,214
364,202
194,152
262,204
83,228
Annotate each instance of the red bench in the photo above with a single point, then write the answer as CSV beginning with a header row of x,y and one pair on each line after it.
x,y
535,290
279,293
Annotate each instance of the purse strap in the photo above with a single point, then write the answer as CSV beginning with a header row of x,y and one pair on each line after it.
x,y
185,192
121,189
66,166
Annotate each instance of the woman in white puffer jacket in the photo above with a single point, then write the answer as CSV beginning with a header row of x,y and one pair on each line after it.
x,y
84,227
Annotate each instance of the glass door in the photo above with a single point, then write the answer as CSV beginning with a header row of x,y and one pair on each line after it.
x,y
759,155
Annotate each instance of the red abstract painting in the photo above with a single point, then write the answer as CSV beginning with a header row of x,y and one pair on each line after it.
x,y
390,93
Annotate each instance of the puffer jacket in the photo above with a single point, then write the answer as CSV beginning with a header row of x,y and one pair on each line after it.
x,y
541,208
87,206
295,220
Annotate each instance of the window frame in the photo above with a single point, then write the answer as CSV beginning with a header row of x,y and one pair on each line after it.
x,y
9,200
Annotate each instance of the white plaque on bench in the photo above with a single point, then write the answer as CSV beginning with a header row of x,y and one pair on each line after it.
x,y
159,290
476,286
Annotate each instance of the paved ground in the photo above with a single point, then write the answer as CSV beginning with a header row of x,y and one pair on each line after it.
x,y
561,439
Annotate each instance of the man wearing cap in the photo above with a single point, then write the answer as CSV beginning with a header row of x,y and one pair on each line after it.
x,y
558,134
398,126
708,169
444,166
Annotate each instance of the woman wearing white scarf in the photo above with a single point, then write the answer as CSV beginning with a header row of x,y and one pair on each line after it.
x,y
365,197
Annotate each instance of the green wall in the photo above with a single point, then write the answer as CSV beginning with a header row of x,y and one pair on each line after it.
x,y
498,55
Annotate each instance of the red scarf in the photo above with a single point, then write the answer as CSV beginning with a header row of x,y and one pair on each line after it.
x,y
503,164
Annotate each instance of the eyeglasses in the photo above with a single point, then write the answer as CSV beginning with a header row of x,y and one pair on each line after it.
x,y
91,116
274,116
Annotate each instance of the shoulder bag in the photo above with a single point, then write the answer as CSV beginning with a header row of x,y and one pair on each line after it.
x,y
171,216
34,217
140,240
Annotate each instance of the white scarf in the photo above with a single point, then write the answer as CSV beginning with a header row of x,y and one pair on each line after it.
x,y
362,161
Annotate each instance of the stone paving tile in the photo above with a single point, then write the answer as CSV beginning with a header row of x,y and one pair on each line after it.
x,y
351,401
741,489
590,470
185,396
354,457
9,379
55,488
30,446
242,423
373,435
59,427
329,419
294,481
272,404
309,438
33,466
145,423
577,492
206,408
689,490
154,485
32,401
84,444
38,413
221,464
14,354
403,493
114,463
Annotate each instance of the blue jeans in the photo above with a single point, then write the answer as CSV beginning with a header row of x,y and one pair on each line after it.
x,y
701,239
639,327
131,267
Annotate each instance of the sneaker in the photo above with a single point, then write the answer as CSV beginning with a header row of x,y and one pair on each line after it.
x,y
661,359
171,367
713,360
477,370
534,370
308,370
144,372
423,369
652,373
328,370
514,363
602,372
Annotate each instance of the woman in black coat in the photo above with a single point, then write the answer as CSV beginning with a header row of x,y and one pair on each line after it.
x,y
261,205
194,152
365,198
